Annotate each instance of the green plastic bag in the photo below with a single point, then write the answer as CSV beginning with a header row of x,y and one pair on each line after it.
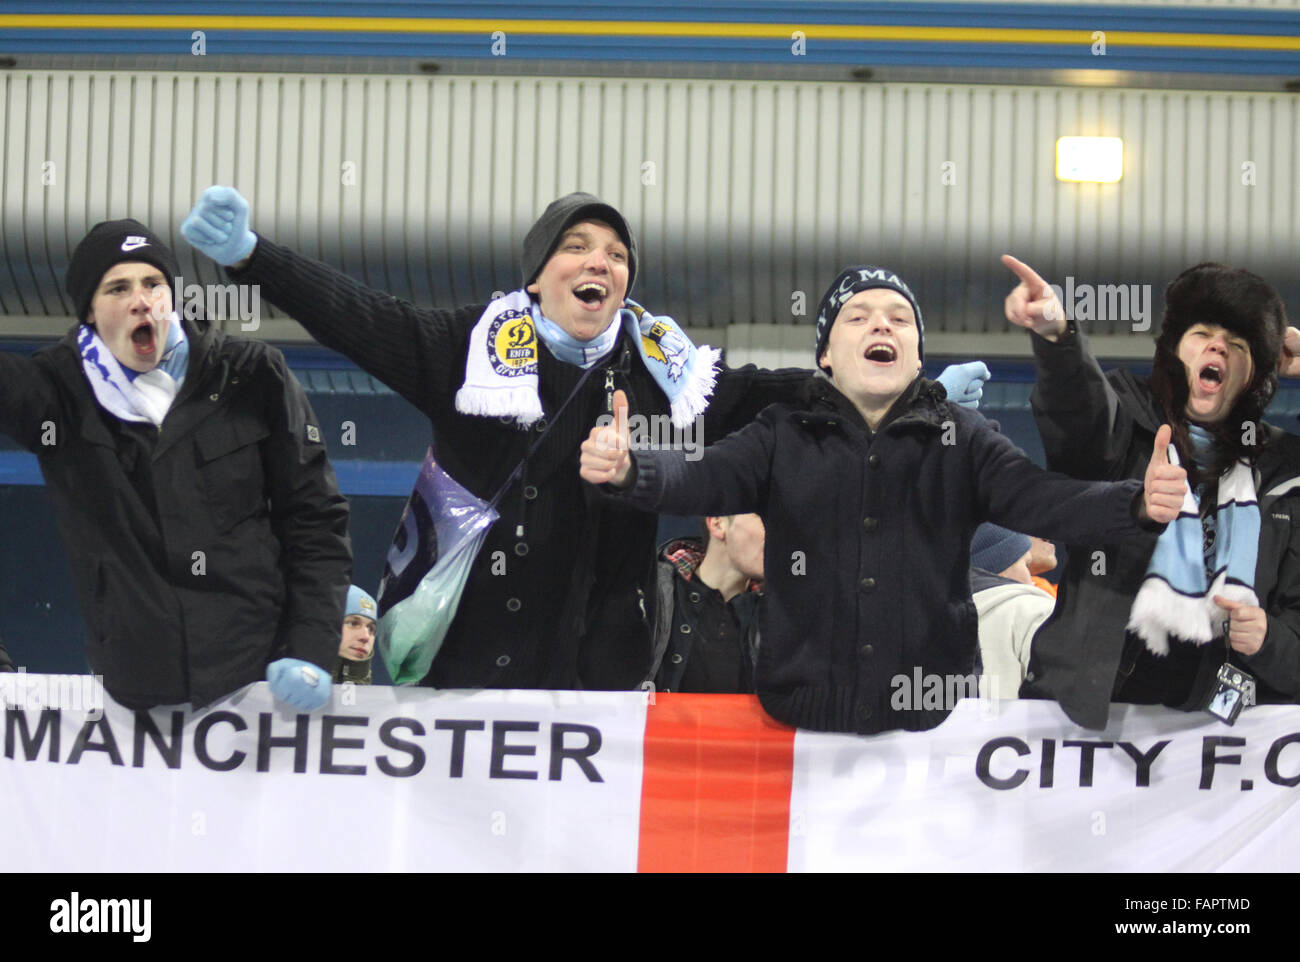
x,y
437,540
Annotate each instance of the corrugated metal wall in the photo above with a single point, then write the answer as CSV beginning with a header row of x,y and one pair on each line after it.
x,y
743,193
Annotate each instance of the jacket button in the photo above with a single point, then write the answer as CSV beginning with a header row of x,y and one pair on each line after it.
x,y
214,397
695,597
530,492
867,649
868,584
685,629
503,660
873,460
864,711
871,524
513,604
1029,676
540,426
521,549
506,419
676,660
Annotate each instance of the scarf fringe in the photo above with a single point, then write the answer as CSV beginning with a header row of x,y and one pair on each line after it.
x,y
1159,612
521,403
1173,600
700,381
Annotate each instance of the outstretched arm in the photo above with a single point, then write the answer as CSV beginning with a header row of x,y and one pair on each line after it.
x,y
1018,494
419,353
1084,431
729,478
27,402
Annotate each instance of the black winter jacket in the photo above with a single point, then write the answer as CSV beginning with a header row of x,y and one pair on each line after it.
x,y
1103,426
701,643
867,561
572,608
201,550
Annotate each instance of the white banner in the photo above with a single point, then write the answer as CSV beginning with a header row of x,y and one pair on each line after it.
x,y
409,779
1013,786
403,780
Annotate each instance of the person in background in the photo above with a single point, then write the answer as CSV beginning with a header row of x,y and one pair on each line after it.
x,y
1042,560
711,595
1010,607
357,646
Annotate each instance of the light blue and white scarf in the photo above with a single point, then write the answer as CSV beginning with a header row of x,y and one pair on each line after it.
x,y
1176,599
132,395
501,370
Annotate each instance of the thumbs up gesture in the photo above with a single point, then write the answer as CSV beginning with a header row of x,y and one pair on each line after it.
x,y
1032,303
605,456
1166,484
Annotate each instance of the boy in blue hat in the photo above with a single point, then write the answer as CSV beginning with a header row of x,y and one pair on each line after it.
x,y
357,646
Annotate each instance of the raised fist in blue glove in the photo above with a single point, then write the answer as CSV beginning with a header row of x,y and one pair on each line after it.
x,y
299,683
218,226
965,382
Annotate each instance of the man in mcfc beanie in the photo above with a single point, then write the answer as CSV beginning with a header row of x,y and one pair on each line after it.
x,y
109,243
875,482
853,280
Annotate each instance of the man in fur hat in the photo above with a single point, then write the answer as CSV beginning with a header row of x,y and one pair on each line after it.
x,y
873,486
202,520
1153,619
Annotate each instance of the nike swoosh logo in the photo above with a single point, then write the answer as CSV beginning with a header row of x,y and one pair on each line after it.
x,y
128,246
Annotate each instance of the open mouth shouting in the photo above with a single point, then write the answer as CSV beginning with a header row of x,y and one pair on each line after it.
x,y
1211,377
592,294
144,340
881,353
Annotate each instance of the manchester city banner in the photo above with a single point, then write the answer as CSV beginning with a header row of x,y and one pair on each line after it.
x,y
596,781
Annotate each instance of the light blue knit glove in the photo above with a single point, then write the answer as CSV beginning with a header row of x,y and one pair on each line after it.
x,y
218,226
965,382
300,683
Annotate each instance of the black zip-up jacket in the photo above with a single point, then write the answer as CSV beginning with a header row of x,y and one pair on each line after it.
x,y
200,550
1103,426
867,560
562,589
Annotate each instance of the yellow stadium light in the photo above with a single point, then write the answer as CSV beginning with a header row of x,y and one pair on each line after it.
x,y
1098,160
